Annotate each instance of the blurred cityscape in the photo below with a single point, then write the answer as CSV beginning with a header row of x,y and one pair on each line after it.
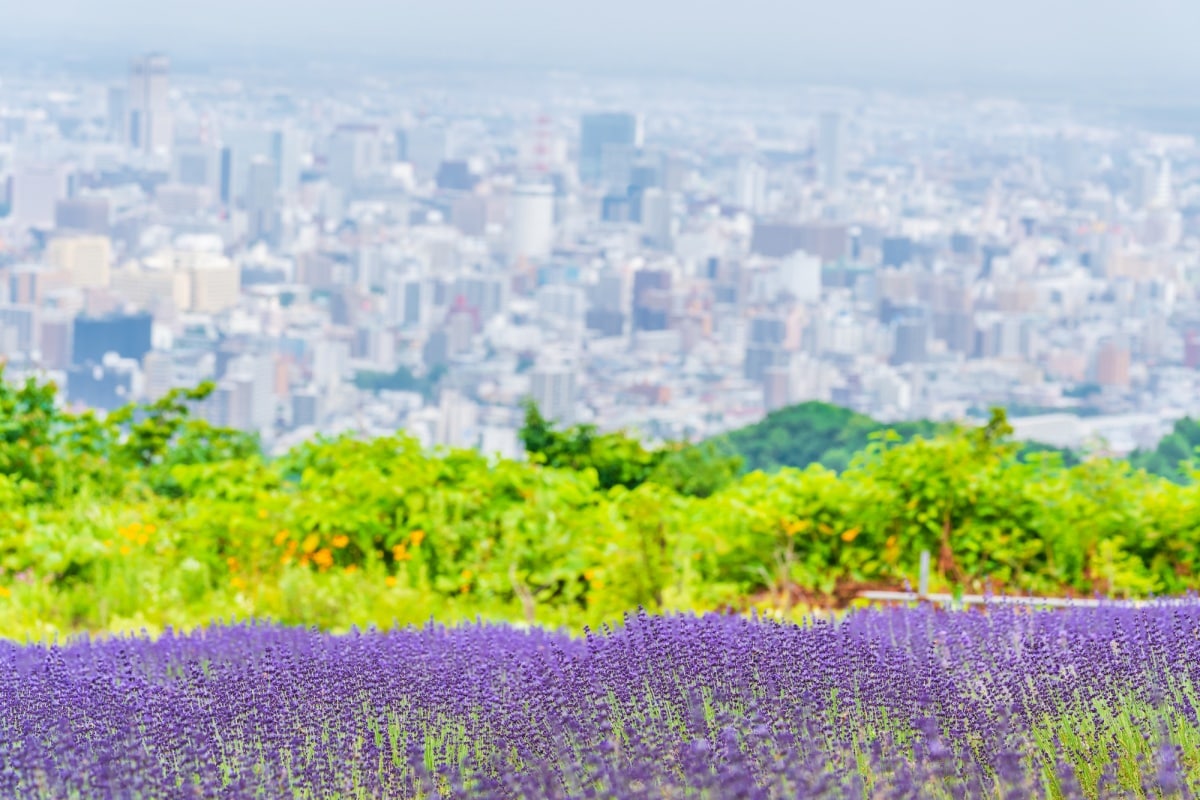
x,y
347,253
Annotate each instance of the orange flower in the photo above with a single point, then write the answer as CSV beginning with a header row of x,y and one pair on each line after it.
x,y
850,535
340,541
400,552
233,564
285,559
323,558
417,537
280,537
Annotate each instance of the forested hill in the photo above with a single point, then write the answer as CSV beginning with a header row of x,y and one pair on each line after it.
x,y
820,433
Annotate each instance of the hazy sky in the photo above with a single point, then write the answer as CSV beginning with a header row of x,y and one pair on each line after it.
x,y
1077,42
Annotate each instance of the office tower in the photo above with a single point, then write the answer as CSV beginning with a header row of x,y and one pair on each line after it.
x,y
607,144
751,186
354,155
532,222
552,387
261,213
425,149
126,335
197,165
158,370
800,276
225,175
36,190
242,146
831,150
87,214
1112,364
651,300
657,222
87,259
286,152
149,127
118,114
912,341
1151,183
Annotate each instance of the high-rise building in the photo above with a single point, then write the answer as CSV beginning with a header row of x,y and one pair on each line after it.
x,y
261,214
532,221
425,148
553,389
126,335
354,155
36,189
1112,364
607,144
831,150
86,214
149,128
285,152
88,259
751,186
657,221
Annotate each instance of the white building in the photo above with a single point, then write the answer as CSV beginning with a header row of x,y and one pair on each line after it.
x,y
532,222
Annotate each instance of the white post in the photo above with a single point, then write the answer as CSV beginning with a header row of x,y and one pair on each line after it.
x,y
923,580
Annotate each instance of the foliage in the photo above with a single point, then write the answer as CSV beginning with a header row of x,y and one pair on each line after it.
x,y
621,460
149,517
1173,455
813,433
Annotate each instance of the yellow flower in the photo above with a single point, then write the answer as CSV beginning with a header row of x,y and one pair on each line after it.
x,y
850,535
262,513
141,540
597,584
285,559
351,568
464,588
126,550
467,574
323,558
340,541
400,553
233,564
237,582
150,529
280,537
311,542
589,575
417,537
389,581
5,591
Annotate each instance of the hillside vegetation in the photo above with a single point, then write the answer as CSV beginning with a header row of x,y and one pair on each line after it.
x,y
150,518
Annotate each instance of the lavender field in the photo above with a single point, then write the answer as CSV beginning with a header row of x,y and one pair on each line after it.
x,y
883,703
